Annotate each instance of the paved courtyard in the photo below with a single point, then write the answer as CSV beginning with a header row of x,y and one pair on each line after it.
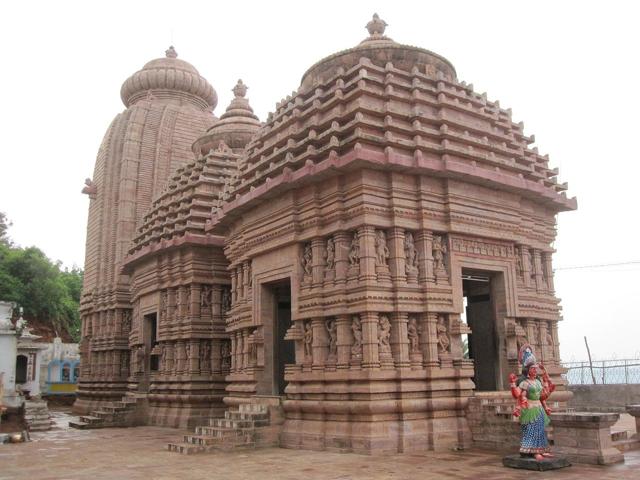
x,y
138,453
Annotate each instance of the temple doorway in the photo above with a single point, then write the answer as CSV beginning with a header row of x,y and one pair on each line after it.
x,y
482,299
284,350
276,318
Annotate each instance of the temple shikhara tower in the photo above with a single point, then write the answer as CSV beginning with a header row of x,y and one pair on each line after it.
x,y
369,259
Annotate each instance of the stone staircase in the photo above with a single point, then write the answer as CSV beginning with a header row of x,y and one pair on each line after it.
x,y
248,426
112,414
36,416
624,441
491,420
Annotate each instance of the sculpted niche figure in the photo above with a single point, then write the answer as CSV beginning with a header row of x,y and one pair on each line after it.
x,y
226,300
205,355
384,334
306,260
414,335
410,254
332,330
330,254
308,340
443,335
382,251
438,251
356,329
205,297
354,251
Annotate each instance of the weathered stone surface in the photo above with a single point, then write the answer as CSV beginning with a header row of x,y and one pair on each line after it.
x,y
585,437
530,463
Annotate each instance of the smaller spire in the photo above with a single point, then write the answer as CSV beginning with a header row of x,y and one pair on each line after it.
x,y
376,26
171,52
240,90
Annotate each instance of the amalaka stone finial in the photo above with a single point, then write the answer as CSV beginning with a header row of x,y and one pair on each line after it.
x,y
376,26
240,90
171,52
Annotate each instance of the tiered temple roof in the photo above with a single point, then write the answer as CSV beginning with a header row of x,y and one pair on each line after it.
x,y
395,106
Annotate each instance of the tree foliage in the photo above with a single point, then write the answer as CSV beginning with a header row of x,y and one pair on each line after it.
x,y
40,286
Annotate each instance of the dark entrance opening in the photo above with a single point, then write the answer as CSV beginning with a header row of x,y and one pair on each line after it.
x,y
481,318
151,339
283,351
21,368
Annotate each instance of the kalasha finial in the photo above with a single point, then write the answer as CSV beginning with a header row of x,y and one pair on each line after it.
x,y
240,90
376,26
171,52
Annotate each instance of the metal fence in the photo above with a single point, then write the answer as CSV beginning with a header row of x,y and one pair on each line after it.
x,y
605,372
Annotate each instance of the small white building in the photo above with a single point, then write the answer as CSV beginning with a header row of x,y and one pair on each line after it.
x,y
20,359
10,397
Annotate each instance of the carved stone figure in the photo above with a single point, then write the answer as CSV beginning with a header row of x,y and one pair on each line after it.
x,y
549,335
307,260
332,330
532,266
410,254
444,341
126,321
519,267
205,297
205,355
140,354
356,329
330,254
382,251
414,335
308,340
354,251
225,354
188,300
384,334
163,356
226,300
439,250
124,364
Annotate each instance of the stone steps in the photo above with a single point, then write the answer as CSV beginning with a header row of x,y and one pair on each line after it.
x,y
238,429
36,416
112,414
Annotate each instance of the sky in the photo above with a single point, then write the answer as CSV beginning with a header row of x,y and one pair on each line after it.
x,y
567,69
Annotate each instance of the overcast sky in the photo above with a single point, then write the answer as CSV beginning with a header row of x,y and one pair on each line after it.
x,y
568,69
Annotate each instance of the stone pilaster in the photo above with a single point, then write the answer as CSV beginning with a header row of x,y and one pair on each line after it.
x,y
370,353
548,267
424,246
396,255
234,287
245,280
429,339
537,265
526,266
342,242
400,339
344,342
366,235
319,346
317,263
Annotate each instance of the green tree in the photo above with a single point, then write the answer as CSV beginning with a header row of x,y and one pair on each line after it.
x,y
46,292
4,227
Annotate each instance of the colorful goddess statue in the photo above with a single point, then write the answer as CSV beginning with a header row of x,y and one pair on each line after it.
x,y
531,391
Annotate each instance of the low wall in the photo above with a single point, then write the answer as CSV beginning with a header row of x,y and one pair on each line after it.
x,y
603,398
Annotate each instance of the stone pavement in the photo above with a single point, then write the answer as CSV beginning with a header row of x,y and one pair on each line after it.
x,y
139,453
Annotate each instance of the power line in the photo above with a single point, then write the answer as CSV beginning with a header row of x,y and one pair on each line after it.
x,y
576,267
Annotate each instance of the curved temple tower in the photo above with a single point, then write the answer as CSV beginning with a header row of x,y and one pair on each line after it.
x,y
374,255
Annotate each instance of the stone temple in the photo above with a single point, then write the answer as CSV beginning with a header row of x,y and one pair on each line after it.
x,y
369,258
